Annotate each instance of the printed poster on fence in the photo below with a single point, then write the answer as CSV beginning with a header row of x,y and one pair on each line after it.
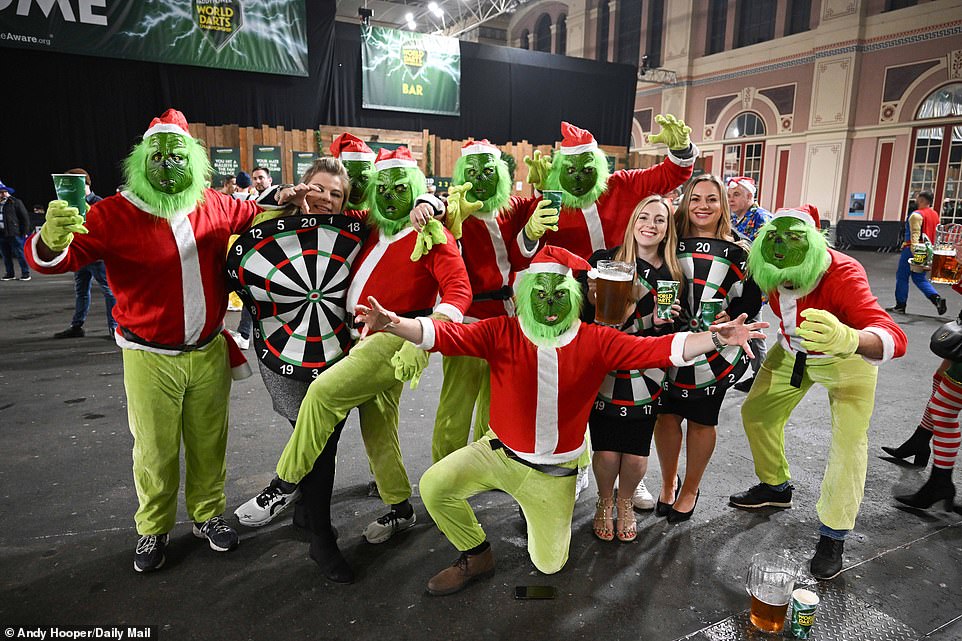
x,y
268,157
302,161
409,71
225,161
269,36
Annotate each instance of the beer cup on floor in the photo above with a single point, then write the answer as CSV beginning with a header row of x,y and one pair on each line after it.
x,y
613,292
771,579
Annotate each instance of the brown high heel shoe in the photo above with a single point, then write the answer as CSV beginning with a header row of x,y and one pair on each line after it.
x,y
627,526
603,523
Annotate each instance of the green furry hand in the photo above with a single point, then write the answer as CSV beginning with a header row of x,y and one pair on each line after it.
x,y
538,168
409,362
430,235
62,223
545,217
460,208
674,132
822,332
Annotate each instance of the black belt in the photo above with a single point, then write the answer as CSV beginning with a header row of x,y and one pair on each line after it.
x,y
544,468
496,294
183,347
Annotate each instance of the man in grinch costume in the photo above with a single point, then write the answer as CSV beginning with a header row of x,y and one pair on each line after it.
x,y
162,240
546,367
834,333
358,159
485,218
596,204
410,269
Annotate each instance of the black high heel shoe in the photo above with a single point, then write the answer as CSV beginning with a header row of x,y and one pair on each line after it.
x,y
674,516
939,487
662,509
916,446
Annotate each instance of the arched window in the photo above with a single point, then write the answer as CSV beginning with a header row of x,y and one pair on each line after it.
x,y
542,34
561,35
525,40
744,158
936,162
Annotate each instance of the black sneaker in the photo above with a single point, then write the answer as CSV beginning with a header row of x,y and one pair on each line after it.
x,y
149,555
897,307
8,277
940,305
762,495
222,537
27,277
827,562
74,331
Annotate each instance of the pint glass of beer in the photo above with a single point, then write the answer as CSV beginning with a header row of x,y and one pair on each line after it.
x,y
771,579
613,292
945,265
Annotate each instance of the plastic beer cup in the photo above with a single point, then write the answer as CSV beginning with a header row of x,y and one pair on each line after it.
x,y
710,308
804,604
72,188
771,578
613,291
665,296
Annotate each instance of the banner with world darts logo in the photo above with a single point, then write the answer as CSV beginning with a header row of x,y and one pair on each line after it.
x,y
268,36
409,71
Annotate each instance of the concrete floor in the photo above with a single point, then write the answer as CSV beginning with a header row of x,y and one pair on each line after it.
x,y
68,499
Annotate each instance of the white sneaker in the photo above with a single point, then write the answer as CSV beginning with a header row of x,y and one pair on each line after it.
x,y
582,481
242,342
262,509
385,527
643,500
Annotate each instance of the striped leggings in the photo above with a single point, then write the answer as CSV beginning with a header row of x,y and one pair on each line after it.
x,y
942,417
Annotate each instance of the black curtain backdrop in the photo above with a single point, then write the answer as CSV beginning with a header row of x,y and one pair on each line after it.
x,y
61,111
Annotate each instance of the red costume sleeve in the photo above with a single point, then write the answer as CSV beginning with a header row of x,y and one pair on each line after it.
x,y
446,266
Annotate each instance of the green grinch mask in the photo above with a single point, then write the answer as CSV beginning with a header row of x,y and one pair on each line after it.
x,y
788,251
361,173
167,171
395,190
582,177
489,178
548,304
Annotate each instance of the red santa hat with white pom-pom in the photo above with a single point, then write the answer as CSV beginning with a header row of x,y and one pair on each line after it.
x,y
390,158
170,122
349,147
479,147
575,140
805,213
557,260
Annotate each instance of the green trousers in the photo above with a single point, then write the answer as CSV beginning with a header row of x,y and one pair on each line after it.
x,y
465,391
363,379
547,501
850,383
170,398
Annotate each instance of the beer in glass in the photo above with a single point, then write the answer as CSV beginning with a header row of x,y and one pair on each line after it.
x,y
613,291
771,579
945,267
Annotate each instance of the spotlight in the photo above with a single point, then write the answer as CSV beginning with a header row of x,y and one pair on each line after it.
x,y
365,15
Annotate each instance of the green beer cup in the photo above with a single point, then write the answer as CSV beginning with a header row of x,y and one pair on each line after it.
x,y
666,294
553,196
72,188
709,310
804,604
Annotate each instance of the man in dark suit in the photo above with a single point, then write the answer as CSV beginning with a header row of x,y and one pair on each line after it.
x,y
14,227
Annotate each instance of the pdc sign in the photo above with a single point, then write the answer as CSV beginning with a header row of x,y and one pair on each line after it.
x,y
869,232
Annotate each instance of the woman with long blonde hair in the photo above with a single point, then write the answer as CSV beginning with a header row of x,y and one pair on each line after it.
x,y
622,419
703,223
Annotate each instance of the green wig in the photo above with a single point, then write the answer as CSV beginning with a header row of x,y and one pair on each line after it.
x,y
167,205
501,194
802,277
561,162
416,182
532,318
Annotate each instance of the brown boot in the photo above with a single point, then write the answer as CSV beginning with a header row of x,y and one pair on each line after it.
x,y
466,569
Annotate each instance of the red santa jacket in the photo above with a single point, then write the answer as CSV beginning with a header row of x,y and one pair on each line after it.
x,y
168,275
844,291
384,269
541,397
485,247
602,224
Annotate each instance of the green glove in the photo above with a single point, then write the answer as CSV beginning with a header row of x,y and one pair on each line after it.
x,y
62,223
538,168
822,332
545,217
460,208
674,133
409,362
430,235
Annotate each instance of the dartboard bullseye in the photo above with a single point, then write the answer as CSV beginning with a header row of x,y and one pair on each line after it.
x,y
713,269
292,274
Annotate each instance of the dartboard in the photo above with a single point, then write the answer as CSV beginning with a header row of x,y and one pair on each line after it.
x,y
292,274
713,269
